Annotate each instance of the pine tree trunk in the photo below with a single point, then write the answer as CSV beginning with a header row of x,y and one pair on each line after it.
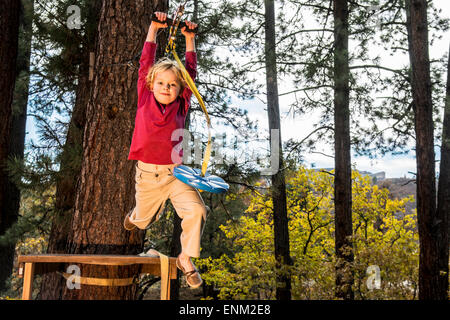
x,y
342,178
106,190
9,22
53,284
280,221
175,249
175,244
443,206
426,184
19,115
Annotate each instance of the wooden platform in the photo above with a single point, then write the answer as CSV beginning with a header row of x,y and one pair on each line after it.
x,y
31,265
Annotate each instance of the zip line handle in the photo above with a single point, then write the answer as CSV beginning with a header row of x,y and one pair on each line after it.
x,y
169,22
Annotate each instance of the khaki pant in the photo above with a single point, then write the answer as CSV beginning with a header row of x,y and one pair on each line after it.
x,y
154,185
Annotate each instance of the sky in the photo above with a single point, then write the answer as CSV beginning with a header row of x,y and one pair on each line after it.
x,y
300,126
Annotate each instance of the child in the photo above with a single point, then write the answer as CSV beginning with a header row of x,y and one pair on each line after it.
x,y
163,102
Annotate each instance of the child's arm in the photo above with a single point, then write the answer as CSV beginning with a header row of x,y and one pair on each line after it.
x,y
155,26
190,36
148,53
191,55
191,58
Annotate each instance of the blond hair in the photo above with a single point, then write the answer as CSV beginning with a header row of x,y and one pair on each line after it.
x,y
162,65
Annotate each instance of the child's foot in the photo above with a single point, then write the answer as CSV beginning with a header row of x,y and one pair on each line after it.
x,y
127,223
185,264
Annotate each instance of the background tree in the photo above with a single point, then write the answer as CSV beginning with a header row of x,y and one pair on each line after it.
x,y
443,205
9,21
105,192
278,187
342,174
19,116
19,109
431,228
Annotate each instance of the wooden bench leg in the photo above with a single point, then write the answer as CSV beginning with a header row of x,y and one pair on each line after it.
x,y
28,281
165,278
168,284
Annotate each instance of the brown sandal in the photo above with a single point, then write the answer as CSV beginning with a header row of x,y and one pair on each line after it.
x,y
193,278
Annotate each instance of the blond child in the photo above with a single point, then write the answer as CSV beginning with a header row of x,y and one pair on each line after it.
x,y
163,102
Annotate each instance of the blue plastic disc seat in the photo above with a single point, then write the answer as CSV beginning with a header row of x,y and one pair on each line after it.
x,y
193,177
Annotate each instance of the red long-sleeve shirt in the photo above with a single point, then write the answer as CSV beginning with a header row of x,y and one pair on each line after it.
x,y
154,126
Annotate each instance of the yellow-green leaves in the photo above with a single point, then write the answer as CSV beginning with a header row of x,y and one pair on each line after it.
x,y
385,242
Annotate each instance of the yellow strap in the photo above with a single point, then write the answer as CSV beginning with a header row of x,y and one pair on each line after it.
x,y
194,90
164,275
99,281
164,261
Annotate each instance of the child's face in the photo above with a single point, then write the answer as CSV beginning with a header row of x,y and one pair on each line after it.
x,y
166,87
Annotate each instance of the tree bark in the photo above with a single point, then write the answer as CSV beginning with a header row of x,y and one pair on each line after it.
x,y
19,114
342,178
106,190
278,189
19,111
443,205
9,22
428,223
175,249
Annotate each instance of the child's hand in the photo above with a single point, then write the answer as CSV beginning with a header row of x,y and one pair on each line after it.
x,y
191,26
162,16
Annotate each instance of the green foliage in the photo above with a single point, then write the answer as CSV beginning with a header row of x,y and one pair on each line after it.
x,y
37,199
383,236
29,245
